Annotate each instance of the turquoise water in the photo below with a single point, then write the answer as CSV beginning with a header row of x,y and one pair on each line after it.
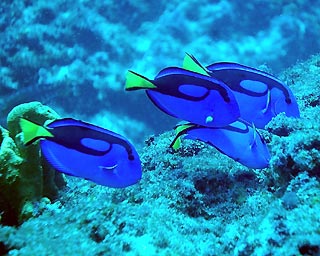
x,y
73,57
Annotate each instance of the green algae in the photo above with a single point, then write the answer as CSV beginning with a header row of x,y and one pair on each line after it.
x,y
24,176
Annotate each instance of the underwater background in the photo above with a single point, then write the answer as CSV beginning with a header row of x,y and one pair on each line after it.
x,y
72,57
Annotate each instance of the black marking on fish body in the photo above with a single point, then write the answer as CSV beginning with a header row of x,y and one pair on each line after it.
x,y
269,80
169,85
70,136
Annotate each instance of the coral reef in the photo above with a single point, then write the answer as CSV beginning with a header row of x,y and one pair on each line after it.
x,y
298,140
25,178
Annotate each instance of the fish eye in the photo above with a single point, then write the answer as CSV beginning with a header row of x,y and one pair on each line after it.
x,y
131,157
288,100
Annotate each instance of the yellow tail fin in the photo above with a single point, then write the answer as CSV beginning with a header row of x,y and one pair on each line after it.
x,y
191,63
32,131
180,130
176,143
135,81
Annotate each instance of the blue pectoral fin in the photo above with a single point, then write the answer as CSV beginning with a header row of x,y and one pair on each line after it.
x,y
108,168
254,139
192,64
267,103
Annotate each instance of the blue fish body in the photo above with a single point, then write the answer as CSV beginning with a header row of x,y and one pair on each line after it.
x,y
189,96
239,141
260,95
84,150
269,95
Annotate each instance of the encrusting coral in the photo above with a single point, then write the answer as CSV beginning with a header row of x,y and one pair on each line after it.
x,y
24,176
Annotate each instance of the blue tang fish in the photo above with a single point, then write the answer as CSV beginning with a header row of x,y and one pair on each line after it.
x,y
84,150
239,140
260,95
190,96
